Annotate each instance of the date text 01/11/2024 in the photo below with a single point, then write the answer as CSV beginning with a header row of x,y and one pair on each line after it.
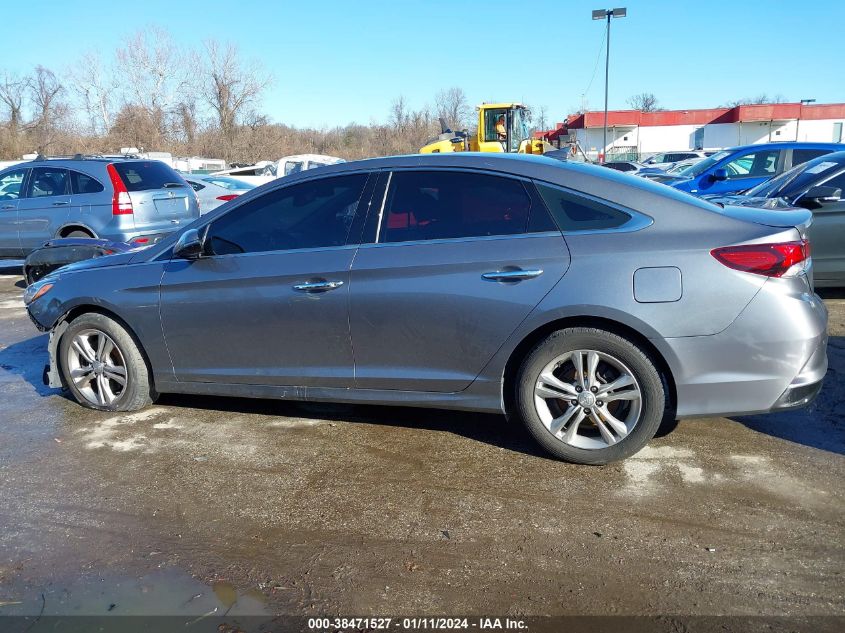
x,y
415,624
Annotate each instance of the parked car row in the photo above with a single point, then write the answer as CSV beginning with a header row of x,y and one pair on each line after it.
x,y
589,304
110,198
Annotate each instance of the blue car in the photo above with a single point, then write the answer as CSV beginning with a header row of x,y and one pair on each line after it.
x,y
737,169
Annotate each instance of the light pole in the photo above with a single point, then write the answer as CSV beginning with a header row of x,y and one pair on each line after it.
x,y
606,14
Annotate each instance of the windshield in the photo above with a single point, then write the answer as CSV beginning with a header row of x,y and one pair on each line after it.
x,y
792,183
707,163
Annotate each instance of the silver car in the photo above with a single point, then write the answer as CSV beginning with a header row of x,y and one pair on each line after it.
x,y
109,198
588,304
213,191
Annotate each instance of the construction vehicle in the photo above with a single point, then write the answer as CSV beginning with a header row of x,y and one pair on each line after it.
x,y
502,127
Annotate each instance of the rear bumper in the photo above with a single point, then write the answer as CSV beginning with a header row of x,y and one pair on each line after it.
x,y
807,384
773,357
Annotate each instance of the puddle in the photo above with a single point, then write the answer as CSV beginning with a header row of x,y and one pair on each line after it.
x,y
77,602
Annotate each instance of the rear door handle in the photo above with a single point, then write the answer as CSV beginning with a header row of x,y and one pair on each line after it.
x,y
60,204
512,275
318,286
7,207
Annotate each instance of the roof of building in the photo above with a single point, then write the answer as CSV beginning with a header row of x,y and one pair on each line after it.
x,y
737,114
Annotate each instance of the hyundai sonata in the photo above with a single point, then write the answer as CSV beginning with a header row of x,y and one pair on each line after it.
x,y
589,304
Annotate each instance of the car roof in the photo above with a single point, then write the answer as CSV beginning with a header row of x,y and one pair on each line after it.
x,y
588,178
787,145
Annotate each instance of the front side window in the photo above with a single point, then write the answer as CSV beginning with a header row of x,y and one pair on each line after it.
x,y
431,205
314,214
759,164
573,212
11,184
47,182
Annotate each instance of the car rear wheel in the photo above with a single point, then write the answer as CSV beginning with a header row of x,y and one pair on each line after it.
x,y
102,365
79,233
590,396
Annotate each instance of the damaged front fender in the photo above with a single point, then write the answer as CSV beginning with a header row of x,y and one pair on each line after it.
x,y
52,373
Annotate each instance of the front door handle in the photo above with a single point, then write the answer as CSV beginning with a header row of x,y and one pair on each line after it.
x,y
318,286
512,275
8,207
60,204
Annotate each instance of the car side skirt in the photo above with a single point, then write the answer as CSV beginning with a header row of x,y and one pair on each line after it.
x,y
460,401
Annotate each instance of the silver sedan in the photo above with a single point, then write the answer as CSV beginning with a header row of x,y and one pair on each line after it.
x,y
213,191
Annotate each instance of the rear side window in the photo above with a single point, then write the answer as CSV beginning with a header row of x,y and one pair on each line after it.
x,y
573,212
146,175
195,185
431,205
800,156
314,214
83,183
47,182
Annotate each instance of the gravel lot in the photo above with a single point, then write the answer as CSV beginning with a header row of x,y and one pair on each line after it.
x,y
266,506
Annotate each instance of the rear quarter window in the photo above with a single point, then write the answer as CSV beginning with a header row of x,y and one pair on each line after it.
x,y
146,175
83,183
574,212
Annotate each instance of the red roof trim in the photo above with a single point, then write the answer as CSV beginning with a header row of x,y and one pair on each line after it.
x,y
761,112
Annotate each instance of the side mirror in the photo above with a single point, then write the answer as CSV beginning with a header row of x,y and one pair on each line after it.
x,y
719,175
821,194
190,245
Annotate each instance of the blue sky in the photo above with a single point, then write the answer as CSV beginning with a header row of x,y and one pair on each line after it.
x,y
337,61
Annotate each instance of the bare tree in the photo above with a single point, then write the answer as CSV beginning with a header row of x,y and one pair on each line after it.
x,y
452,106
156,76
95,86
398,118
231,88
645,101
46,94
760,99
12,92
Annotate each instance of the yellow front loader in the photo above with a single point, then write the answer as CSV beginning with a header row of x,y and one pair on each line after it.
x,y
502,127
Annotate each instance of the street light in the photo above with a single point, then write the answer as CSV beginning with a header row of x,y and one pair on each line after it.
x,y
606,14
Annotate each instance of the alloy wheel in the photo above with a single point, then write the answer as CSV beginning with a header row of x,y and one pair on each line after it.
x,y
588,399
96,367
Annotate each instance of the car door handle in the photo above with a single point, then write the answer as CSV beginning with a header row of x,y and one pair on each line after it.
x,y
318,286
60,204
512,275
7,207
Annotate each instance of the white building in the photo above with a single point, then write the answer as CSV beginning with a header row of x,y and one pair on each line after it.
x,y
633,133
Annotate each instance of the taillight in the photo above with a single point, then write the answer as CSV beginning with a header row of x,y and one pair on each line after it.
x,y
121,203
227,197
772,260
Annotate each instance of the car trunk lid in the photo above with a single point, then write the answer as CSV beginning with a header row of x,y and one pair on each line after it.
x,y
791,217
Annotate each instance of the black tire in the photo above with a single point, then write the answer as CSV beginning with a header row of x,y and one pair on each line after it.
x,y
654,400
79,233
138,391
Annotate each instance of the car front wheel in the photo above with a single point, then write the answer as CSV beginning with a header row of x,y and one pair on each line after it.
x,y
590,396
102,365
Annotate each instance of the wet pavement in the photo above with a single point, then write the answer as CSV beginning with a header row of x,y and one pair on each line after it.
x,y
213,505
